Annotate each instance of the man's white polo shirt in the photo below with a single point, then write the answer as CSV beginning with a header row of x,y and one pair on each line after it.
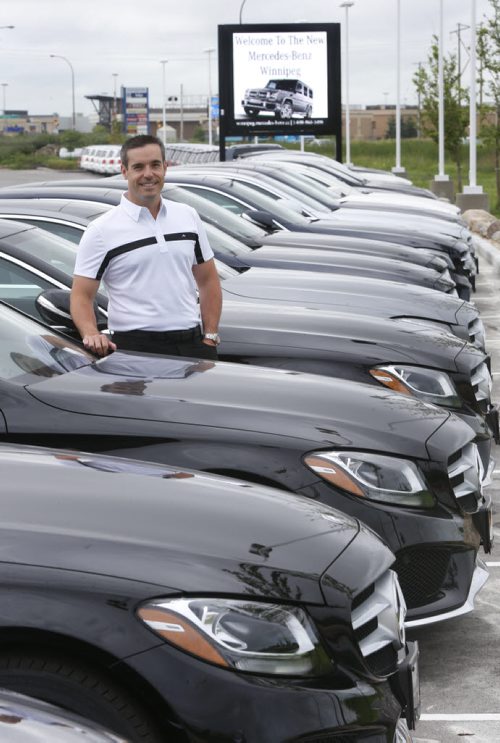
x,y
146,264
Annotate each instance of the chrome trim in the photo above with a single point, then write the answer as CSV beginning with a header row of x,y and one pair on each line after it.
x,y
481,382
387,606
479,578
469,469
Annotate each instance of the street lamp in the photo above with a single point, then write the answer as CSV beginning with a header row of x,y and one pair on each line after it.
x,y
163,62
4,85
59,56
115,76
397,168
347,4
209,52
241,8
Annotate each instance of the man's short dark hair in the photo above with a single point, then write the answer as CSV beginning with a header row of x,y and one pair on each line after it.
x,y
140,140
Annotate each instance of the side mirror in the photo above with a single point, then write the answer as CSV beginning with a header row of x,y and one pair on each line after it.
x,y
53,306
261,218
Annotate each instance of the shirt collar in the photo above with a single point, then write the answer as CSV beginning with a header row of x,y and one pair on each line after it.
x,y
135,211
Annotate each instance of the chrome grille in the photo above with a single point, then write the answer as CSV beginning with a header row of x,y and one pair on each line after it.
x,y
378,618
476,333
481,382
466,473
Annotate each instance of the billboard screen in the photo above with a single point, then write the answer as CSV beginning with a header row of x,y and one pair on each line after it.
x,y
280,78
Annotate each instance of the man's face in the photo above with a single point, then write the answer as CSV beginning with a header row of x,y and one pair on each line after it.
x,y
145,174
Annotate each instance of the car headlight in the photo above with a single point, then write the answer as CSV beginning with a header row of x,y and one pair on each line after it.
x,y
242,635
428,385
373,476
445,285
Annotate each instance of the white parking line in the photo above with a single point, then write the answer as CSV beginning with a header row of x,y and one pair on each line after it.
x,y
493,564
461,718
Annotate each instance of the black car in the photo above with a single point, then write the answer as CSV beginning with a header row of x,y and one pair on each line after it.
x,y
414,231
404,355
295,178
76,197
364,182
174,606
241,257
409,470
359,295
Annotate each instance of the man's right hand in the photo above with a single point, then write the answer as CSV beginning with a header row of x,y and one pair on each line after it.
x,y
98,343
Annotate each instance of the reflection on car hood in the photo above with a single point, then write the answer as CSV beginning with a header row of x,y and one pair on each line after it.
x,y
345,293
314,410
173,528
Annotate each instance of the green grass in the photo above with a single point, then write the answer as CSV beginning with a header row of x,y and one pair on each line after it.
x,y
420,158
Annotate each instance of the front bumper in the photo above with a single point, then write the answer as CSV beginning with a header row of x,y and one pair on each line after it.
x,y
212,704
479,578
435,550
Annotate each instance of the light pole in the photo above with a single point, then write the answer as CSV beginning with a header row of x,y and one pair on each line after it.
x,y
163,62
4,85
473,196
442,175
115,76
59,56
209,52
397,168
241,8
347,4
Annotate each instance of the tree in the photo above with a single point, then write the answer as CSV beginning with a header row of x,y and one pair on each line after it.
x,y
488,54
408,128
456,115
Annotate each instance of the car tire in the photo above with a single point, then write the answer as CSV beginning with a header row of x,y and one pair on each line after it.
x,y
251,112
81,689
286,111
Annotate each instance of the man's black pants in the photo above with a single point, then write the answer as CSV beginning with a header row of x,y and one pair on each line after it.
x,y
168,343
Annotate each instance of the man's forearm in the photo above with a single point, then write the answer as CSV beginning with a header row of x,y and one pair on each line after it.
x,y
210,308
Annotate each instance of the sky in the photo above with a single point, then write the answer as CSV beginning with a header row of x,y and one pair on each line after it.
x,y
123,42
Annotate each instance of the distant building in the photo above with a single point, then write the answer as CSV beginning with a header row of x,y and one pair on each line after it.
x,y
21,122
373,122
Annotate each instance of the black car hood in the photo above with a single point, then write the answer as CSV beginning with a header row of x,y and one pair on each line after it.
x,y
312,411
318,241
165,526
396,220
338,261
327,291
284,330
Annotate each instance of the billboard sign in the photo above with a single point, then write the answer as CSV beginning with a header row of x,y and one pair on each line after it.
x,y
135,107
280,78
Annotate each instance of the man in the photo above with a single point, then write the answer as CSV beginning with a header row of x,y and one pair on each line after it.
x,y
152,256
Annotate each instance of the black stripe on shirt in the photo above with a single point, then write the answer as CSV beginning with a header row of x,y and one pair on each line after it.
x,y
123,249
188,236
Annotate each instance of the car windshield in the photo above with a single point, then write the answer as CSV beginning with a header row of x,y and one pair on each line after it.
x,y
225,244
281,85
239,198
30,352
216,215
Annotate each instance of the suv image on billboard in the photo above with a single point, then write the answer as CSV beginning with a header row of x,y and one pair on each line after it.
x,y
283,98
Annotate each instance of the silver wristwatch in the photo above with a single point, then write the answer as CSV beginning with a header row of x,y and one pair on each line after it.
x,y
212,337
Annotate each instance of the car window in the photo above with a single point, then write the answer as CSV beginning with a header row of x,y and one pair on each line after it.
x,y
30,352
66,231
59,253
20,287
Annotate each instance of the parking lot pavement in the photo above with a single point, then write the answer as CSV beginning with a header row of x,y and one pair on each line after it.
x,y
18,177
460,659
